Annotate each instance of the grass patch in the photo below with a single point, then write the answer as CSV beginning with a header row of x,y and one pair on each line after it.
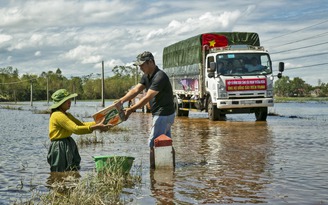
x,y
95,139
35,111
90,139
300,99
95,189
8,107
118,129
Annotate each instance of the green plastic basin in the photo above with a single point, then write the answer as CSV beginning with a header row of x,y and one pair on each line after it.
x,y
116,164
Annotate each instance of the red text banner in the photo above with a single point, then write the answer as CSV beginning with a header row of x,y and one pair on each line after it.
x,y
246,84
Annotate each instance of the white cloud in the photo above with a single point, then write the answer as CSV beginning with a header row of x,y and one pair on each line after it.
x,y
10,16
37,53
114,62
84,54
198,24
5,38
80,34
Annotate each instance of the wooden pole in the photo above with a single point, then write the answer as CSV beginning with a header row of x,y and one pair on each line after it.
x,y
74,92
31,96
47,90
137,76
102,84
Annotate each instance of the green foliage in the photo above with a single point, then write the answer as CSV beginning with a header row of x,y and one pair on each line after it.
x,y
322,89
117,86
285,87
15,88
9,88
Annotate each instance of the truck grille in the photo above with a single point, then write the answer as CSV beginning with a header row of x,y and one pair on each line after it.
x,y
246,95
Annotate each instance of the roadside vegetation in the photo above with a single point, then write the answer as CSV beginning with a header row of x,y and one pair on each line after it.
x,y
297,87
16,88
300,99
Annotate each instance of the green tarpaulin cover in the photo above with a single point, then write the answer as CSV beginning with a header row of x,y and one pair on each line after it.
x,y
186,55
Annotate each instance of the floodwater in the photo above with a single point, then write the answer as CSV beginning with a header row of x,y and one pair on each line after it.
x,y
238,161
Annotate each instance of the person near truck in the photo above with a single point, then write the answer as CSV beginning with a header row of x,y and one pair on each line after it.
x,y
220,68
63,154
230,68
159,94
254,65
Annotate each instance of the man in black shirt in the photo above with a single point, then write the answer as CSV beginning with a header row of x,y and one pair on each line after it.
x,y
160,96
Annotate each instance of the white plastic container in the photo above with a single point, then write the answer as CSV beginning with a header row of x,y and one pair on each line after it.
x,y
163,152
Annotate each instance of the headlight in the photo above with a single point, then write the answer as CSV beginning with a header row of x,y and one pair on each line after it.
x,y
222,93
270,88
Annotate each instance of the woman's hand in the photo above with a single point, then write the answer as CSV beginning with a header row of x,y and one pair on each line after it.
x,y
105,128
101,126
128,112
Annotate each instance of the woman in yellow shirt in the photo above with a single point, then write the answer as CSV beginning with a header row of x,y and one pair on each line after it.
x,y
63,154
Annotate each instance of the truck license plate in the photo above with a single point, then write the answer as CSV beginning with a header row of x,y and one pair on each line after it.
x,y
247,102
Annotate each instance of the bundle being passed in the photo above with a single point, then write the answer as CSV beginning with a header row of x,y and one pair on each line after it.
x,y
113,115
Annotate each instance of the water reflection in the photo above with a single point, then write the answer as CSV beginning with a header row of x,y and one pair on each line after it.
x,y
229,158
162,185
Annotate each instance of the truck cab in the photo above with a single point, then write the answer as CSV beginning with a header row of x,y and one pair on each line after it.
x,y
221,73
239,79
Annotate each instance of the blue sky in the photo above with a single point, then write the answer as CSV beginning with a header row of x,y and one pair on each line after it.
x,y
76,35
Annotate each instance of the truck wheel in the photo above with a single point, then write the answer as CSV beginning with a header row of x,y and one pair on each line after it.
x,y
261,114
213,112
179,112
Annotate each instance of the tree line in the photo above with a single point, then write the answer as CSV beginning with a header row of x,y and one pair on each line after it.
x,y
16,88
297,87
89,87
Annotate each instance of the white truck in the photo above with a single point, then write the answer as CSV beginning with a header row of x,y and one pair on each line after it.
x,y
221,73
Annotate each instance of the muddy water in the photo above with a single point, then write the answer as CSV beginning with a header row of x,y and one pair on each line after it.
x,y
281,161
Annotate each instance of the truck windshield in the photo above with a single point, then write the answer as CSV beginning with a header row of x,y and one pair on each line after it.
x,y
243,64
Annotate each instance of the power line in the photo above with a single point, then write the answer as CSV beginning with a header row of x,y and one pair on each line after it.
x,y
306,66
308,38
316,54
319,44
297,30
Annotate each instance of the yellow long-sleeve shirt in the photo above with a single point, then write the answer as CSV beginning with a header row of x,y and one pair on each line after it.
x,y
63,125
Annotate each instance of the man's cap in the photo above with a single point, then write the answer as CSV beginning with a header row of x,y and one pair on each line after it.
x,y
143,57
60,96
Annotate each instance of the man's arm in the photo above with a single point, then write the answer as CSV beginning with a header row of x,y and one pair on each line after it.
x,y
132,93
142,102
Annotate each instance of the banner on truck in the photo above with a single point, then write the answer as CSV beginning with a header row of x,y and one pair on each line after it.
x,y
246,84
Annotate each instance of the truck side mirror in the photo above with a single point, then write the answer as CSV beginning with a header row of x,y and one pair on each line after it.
x,y
211,69
281,66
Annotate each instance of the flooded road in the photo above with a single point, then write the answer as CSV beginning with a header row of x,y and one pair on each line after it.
x,y
237,161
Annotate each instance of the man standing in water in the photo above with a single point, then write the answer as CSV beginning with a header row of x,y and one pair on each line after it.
x,y
160,96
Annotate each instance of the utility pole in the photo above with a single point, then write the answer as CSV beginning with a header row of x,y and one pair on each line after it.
x,y
47,90
74,92
31,97
136,75
102,84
